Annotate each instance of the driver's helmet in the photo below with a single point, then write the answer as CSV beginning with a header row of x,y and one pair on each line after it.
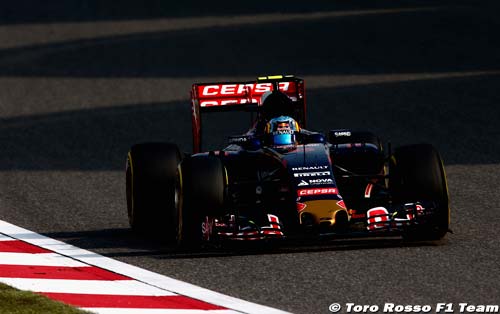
x,y
281,131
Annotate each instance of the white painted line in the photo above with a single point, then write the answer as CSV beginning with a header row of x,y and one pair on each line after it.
x,y
103,310
116,287
149,277
38,259
5,238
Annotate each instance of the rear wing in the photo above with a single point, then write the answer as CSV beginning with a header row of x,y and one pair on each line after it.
x,y
239,96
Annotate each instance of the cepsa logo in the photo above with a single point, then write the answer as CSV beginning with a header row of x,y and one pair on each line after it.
x,y
228,94
240,89
310,192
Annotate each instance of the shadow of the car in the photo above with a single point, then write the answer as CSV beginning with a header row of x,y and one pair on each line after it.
x,y
293,247
122,242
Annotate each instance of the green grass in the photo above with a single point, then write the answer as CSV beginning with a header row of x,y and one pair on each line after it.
x,y
13,301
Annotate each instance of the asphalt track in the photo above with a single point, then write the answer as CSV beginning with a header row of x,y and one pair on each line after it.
x,y
80,81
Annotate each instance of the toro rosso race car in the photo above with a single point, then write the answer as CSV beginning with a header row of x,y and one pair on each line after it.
x,y
280,180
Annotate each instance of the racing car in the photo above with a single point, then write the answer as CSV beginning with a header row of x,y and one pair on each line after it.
x,y
279,180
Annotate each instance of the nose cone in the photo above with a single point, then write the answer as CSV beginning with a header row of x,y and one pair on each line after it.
x,y
327,213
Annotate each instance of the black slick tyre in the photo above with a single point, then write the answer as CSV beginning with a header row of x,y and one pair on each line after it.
x,y
202,181
417,173
150,188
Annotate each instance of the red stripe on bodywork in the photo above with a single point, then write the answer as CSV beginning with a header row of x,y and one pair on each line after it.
x,y
16,246
59,272
368,190
132,301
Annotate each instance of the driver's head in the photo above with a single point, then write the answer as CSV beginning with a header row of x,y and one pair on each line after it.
x,y
275,103
281,131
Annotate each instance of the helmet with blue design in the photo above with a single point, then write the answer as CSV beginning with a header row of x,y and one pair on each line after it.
x,y
281,131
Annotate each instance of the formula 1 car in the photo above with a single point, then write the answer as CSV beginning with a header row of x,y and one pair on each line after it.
x,y
282,181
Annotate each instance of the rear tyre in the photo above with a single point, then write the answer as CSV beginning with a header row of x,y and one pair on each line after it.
x,y
202,181
150,188
417,173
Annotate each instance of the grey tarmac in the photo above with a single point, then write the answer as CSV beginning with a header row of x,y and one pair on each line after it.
x,y
82,81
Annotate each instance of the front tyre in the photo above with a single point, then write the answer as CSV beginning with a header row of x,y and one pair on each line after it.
x,y
201,181
150,188
417,174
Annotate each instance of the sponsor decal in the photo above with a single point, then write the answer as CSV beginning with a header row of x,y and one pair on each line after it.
x,y
302,183
219,224
238,139
312,174
309,168
282,131
354,215
321,181
206,228
225,102
234,94
342,133
222,90
358,216
317,191
341,204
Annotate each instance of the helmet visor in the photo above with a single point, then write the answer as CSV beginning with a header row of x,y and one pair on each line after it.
x,y
283,139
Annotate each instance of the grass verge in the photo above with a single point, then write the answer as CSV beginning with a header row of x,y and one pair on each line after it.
x,y
13,301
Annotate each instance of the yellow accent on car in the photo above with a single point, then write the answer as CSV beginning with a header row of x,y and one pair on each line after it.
x,y
297,127
323,211
270,77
